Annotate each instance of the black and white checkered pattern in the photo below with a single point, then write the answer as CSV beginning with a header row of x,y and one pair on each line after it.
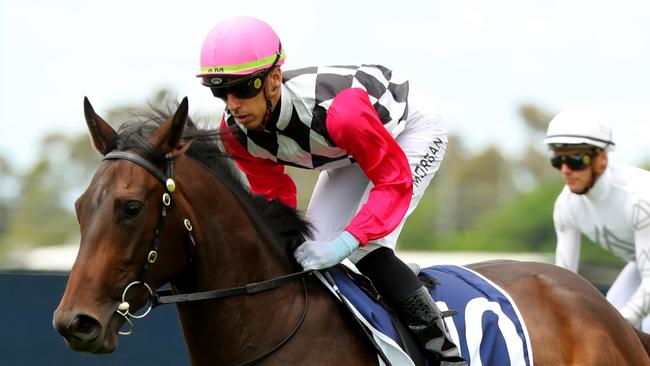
x,y
299,136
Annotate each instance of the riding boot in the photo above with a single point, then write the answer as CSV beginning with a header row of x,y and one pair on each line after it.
x,y
422,316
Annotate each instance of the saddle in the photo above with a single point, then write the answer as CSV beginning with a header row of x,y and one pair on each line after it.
x,y
401,334
488,328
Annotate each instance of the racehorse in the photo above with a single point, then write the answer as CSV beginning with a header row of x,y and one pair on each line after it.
x,y
166,206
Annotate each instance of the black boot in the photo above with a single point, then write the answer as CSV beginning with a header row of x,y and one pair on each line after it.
x,y
422,316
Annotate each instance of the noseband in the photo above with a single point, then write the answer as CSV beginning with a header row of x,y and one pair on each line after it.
x,y
161,297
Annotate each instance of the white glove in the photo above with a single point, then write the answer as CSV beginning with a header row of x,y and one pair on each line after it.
x,y
324,254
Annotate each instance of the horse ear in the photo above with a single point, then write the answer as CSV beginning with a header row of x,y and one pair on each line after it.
x,y
102,134
169,135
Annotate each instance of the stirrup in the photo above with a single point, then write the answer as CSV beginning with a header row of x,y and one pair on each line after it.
x,y
448,313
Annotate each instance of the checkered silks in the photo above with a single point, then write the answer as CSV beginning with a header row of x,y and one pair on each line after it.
x,y
299,136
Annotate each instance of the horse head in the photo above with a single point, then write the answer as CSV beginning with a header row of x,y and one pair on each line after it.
x,y
166,206
120,220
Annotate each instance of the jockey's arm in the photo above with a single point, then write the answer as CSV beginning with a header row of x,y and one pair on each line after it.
x,y
638,306
567,251
353,125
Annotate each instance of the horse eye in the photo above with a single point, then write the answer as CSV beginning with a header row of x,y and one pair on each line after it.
x,y
131,209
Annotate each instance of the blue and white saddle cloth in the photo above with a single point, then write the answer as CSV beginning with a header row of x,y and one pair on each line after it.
x,y
488,328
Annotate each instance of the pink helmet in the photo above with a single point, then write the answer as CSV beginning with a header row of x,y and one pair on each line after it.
x,y
240,46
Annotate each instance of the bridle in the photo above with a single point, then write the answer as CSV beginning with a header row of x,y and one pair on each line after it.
x,y
161,297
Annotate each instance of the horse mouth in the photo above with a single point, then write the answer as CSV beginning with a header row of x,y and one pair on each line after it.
x,y
93,338
100,346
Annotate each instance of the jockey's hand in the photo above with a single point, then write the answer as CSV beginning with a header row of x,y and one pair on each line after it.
x,y
324,254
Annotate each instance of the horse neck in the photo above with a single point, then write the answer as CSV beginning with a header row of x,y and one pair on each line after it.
x,y
233,249
233,246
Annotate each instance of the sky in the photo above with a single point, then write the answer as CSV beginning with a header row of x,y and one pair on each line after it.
x,y
476,61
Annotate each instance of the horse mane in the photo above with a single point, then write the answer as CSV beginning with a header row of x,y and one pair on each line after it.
x,y
282,221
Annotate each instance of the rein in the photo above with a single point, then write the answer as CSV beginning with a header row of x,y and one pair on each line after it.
x,y
162,297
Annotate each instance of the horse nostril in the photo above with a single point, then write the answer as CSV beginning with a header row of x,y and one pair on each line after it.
x,y
84,327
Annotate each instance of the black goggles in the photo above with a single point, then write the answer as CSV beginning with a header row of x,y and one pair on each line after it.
x,y
241,89
578,161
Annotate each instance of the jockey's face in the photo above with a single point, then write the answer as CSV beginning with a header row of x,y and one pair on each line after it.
x,y
250,112
580,179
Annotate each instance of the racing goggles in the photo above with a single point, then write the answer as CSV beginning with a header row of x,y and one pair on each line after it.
x,y
579,161
240,89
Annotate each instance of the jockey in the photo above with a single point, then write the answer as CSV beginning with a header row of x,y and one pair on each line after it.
x,y
610,204
376,148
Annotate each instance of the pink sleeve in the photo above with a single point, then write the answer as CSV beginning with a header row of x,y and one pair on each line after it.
x,y
264,176
354,126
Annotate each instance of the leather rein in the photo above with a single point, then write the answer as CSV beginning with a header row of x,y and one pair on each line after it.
x,y
161,297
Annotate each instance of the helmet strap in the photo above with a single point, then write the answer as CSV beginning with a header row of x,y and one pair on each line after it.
x,y
594,178
269,113
269,107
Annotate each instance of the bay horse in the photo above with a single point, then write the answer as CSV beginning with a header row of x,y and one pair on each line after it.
x,y
208,237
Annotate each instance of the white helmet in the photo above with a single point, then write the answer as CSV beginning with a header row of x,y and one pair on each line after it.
x,y
577,126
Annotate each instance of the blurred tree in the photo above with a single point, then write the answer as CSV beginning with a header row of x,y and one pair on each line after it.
x,y
532,168
463,189
43,212
467,185
471,190
421,229
535,118
523,224
39,217
8,185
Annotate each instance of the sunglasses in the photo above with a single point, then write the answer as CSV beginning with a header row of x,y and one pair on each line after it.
x,y
578,161
244,89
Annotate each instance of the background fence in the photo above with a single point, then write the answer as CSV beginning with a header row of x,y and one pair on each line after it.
x,y
27,337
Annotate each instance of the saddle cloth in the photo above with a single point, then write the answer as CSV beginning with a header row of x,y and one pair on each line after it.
x,y
488,328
